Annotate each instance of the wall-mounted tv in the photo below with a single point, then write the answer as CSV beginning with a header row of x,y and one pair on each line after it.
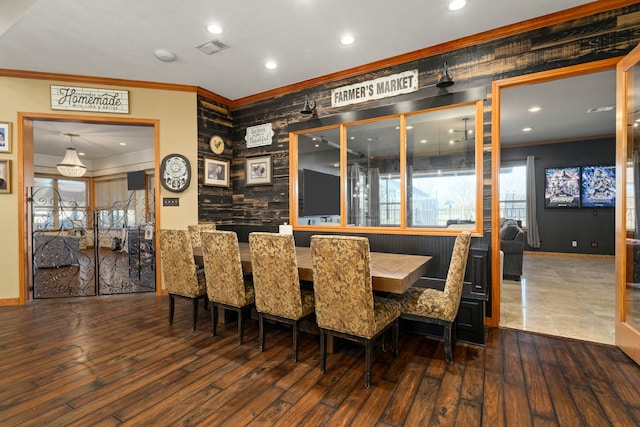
x,y
598,186
136,180
562,187
321,193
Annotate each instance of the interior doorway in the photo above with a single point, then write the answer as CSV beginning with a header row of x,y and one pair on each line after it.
x,y
551,292
107,229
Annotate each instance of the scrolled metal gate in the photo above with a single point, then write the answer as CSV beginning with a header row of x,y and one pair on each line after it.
x,y
84,252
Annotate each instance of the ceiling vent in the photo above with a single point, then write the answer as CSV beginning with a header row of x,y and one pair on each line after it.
x,y
600,109
211,47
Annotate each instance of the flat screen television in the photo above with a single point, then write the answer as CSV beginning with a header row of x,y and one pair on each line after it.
x,y
562,187
136,181
598,186
321,193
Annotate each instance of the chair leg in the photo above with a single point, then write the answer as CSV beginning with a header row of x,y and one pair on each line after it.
x,y
195,313
395,332
295,342
205,303
261,331
214,319
172,305
240,326
323,351
448,354
367,360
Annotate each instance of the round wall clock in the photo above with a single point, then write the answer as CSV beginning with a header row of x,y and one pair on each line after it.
x,y
216,143
175,173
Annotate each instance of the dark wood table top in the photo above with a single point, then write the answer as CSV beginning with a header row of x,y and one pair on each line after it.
x,y
390,272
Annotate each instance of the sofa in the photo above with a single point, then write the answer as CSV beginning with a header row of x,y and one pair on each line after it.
x,y
512,244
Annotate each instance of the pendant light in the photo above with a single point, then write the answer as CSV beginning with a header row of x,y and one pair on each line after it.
x,y
71,164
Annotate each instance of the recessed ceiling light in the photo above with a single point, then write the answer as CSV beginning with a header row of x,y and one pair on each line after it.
x,y
527,129
214,29
347,40
270,65
424,141
456,4
123,143
80,154
534,109
451,141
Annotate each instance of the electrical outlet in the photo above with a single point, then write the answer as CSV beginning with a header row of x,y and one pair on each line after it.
x,y
594,244
574,243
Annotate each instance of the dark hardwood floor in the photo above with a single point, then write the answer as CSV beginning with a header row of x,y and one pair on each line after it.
x,y
114,360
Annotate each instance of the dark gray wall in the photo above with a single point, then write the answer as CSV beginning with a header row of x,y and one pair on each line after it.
x,y
560,226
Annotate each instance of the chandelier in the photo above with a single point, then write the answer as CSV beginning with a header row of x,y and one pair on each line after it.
x,y
71,164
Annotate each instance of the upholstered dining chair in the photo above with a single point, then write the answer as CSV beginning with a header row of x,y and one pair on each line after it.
x,y
345,304
226,286
181,277
277,284
441,307
196,229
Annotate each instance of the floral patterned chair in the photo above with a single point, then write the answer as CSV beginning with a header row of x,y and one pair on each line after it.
x,y
277,284
226,286
441,307
345,305
196,229
181,277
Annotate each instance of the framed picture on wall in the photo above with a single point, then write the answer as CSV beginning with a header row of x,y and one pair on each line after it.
x,y
598,186
258,170
562,187
5,137
5,176
216,172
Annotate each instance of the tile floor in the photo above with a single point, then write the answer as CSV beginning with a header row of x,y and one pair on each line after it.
x,y
562,295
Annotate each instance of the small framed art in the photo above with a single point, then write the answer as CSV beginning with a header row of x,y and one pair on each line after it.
x,y
5,176
258,170
5,137
216,172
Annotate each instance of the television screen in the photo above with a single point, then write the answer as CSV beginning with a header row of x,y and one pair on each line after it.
x,y
321,193
562,187
598,186
136,180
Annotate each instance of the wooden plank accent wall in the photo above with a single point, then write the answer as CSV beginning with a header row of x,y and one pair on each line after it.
x,y
214,118
604,35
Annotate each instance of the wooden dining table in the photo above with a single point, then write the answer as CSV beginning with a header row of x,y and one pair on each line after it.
x,y
389,272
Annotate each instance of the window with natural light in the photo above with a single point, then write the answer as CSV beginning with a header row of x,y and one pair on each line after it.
x,y
513,193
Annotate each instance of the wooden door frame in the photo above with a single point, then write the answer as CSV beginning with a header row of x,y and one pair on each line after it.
x,y
627,337
496,88
25,180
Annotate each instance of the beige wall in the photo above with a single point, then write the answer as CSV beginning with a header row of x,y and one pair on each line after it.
x,y
176,113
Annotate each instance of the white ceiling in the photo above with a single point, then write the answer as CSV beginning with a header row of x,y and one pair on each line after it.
x,y
116,39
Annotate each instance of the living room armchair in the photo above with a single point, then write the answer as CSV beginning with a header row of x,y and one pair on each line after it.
x,y
512,244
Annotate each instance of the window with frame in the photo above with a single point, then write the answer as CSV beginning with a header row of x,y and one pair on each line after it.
x,y
416,172
59,203
513,193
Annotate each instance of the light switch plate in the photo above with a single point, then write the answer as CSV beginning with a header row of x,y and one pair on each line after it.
x,y
170,201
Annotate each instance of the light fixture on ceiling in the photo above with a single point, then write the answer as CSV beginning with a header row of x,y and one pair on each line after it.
x,y
456,5
71,164
466,132
164,55
309,106
446,79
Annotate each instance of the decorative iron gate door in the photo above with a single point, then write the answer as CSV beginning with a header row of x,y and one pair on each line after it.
x,y
83,252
